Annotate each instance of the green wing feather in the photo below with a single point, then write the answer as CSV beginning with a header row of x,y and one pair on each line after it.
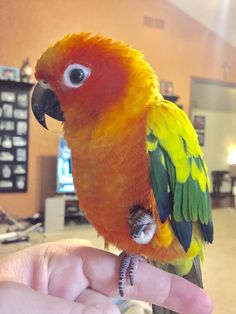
x,y
178,172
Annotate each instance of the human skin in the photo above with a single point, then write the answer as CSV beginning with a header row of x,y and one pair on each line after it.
x,y
62,277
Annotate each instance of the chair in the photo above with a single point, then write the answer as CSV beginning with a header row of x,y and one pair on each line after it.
x,y
232,173
218,176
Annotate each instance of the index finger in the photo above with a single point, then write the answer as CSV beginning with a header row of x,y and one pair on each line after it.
x,y
151,284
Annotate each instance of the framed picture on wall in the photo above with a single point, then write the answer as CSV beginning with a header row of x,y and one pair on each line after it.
x,y
9,73
166,88
199,122
201,138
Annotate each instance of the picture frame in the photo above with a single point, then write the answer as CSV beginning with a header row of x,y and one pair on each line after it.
x,y
166,88
8,96
20,114
21,127
199,122
8,73
22,99
19,141
7,111
201,138
5,171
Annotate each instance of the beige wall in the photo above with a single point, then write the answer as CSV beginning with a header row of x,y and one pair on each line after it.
x,y
181,50
218,140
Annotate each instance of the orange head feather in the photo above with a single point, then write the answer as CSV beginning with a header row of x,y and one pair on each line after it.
x,y
118,75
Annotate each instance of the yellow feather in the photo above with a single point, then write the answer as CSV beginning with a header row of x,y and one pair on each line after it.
x,y
199,176
164,236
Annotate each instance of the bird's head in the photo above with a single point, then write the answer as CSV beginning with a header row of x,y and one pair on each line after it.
x,y
83,76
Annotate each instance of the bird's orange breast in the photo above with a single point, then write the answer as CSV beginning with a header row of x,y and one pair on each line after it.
x,y
111,175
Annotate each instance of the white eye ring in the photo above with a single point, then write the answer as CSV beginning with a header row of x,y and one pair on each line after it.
x,y
44,84
75,75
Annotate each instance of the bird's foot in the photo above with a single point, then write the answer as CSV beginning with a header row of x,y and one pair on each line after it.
x,y
142,224
128,266
142,230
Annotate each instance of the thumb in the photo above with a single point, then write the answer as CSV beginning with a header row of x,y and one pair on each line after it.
x,y
18,298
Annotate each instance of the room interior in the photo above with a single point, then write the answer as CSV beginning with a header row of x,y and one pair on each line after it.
x,y
197,63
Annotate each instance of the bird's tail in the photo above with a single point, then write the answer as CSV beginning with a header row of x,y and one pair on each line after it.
x,y
194,276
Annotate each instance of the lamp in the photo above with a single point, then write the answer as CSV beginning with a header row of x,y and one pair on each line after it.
x,y
231,158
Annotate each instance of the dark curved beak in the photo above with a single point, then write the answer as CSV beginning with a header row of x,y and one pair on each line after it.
x,y
44,101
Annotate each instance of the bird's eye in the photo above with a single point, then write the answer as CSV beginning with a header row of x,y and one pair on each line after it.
x,y
75,75
44,84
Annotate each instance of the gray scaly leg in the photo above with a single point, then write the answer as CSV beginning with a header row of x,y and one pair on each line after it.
x,y
129,264
142,229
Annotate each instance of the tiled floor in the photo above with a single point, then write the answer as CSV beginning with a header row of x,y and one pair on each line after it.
x,y
219,268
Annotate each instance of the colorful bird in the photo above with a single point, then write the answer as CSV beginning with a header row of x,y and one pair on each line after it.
x,y
137,164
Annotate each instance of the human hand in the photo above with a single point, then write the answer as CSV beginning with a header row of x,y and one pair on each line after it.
x,y
62,277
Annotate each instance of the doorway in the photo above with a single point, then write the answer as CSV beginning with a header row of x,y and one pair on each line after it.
x,y
213,113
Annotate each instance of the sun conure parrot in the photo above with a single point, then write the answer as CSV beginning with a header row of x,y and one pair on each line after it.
x,y
137,164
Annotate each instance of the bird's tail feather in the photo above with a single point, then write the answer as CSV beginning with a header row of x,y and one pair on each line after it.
x,y
195,274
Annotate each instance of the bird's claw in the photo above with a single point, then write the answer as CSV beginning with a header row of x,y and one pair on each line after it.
x,y
128,265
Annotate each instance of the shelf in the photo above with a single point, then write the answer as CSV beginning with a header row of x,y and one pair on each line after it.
x,y
16,85
172,98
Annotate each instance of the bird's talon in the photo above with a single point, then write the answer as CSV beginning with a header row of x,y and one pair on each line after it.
x,y
128,265
131,280
121,292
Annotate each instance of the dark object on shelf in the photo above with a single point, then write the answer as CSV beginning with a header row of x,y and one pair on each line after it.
x,y
78,218
74,213
218,176
14,130
172,98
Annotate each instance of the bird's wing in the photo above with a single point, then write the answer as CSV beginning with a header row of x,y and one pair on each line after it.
x,y
178,173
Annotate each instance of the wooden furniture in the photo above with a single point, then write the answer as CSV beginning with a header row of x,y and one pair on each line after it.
x,y
14,132
232,173
218,176
234,195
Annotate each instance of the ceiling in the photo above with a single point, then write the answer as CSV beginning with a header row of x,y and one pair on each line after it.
x,y
217,15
